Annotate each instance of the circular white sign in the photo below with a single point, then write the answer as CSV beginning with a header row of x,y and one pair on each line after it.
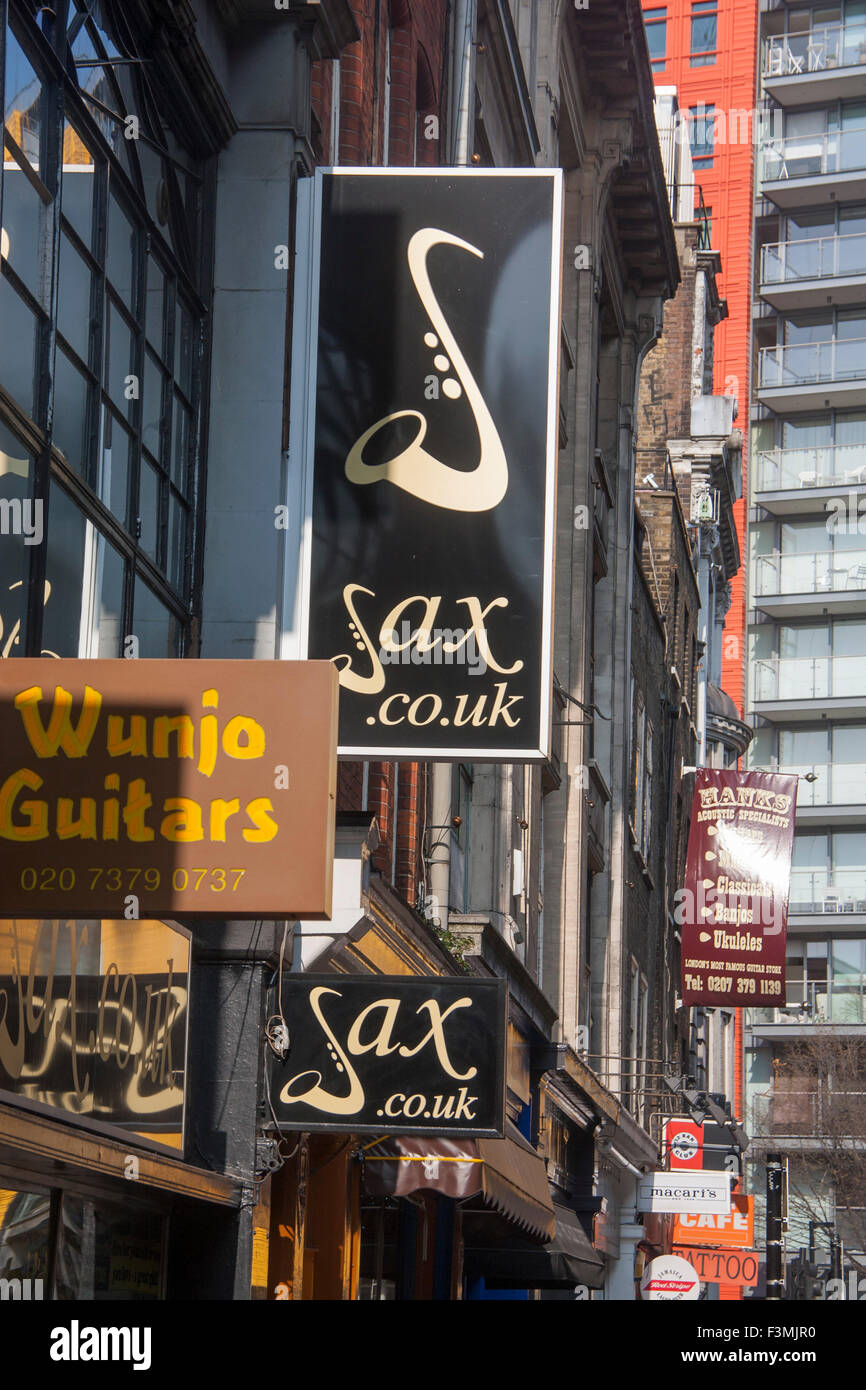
x,y
684,1146
670,1277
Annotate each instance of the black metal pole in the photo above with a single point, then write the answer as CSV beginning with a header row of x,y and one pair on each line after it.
x,y
775,1281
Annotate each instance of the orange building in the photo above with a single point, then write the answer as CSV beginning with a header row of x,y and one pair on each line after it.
x,y
707,49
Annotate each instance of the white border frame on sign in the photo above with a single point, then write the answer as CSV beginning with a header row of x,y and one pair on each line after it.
x,y
298,491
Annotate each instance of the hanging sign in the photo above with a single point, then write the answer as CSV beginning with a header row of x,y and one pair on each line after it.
x,y
392,1055
724,1266
684,1144
669,1277
133,789
426,354
733,907
734,1228
700,1191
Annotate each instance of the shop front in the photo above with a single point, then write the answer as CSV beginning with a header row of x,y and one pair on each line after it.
x,y
93,1082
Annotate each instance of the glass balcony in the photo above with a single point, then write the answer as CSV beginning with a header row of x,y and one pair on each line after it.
x,y
803,364
827,891
826,465
822,572
808,678
815,258
811,156
826,46
817,1001
835,784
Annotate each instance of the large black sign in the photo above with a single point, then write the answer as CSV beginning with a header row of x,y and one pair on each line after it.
x,y
435,316
387,1054
93,1020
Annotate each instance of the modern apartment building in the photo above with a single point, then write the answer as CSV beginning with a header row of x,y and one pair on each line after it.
x,y
807,588
706,48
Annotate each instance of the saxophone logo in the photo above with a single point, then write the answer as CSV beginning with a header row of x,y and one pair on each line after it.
x,y
415,469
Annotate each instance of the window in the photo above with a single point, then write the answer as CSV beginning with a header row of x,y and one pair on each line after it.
x,y
704,28
702,122
656,33
105,368
638,764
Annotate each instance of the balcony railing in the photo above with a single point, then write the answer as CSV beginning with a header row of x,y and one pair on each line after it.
x,y
815,258
834,784
802,364
808,678
818,1001
822,572
826,46
827,891
824,465
811,156
810,1113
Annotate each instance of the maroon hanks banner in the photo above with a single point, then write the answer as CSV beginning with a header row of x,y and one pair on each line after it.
x,y
733,909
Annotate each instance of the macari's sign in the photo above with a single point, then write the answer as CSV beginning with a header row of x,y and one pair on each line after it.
x,y
392,1055
133,789
93,1020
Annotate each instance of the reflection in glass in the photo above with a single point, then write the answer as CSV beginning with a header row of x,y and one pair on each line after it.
x,y
64,573
70,407
15,488
76,188
108,1252
25,1234
109,590
17,348
157,629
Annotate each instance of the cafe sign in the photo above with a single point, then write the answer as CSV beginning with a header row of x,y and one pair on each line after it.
x,y
93,1020
132,789
425,395
392,1055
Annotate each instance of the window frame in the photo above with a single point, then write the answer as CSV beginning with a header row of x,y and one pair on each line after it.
x,y
167,573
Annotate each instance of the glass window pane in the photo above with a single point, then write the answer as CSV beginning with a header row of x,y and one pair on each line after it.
x,y
107,1253
847,957
177,524
148,508
180,454
25,1217
849,744
120,261
152,406
109,599
70,412
16,487
26,233
17,348
23,101
73,306
119,359
61,626
157,630
113,479
156,299
184,350
849,849
76,191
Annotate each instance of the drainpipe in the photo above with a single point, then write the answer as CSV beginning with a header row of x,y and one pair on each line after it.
x,y
465,19
439,831
703,637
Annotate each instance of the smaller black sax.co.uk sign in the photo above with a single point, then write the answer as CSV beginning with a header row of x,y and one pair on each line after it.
x,y
392,1055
